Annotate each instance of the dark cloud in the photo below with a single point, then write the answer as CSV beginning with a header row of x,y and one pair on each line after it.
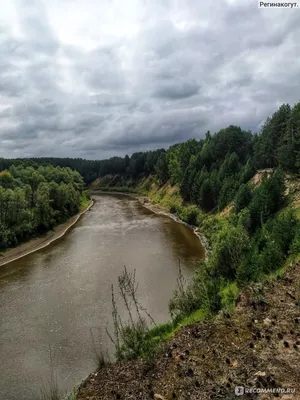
x,y
177,90
93,80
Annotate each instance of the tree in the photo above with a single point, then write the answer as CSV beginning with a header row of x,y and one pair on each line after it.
x,y
161,168
267,199
243,198
34,199
231,245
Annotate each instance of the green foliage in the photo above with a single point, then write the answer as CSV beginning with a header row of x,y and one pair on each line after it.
x,y
230,246
244,219
295,246
162,169
188,214
278,142
243,198
201,293
278,238
228,296
134,338
34,199
267,199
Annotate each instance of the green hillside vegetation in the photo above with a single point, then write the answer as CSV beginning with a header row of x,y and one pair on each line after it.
x,y
35,199
252,227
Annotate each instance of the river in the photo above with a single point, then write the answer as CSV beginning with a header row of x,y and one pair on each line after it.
x,y
53,301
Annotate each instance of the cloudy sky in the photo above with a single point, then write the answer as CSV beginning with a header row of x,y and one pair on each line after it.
x,y
96,78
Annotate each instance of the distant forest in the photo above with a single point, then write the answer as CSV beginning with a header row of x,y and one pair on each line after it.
x,y
209,171
35,199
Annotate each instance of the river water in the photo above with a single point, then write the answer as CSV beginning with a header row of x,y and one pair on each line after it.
x,y
55,303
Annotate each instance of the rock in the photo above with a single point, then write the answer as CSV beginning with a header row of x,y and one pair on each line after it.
x,y
267,321
260,373
159,397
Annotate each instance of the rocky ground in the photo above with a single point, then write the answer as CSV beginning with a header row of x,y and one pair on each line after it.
x,y
258,346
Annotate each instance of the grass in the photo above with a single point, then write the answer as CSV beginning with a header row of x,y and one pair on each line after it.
x,y
50,390
166,331
85,201
228,296
71,396
196,316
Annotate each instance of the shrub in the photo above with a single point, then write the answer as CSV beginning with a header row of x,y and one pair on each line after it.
x,y
228,250
228,296
131,340
295,246
191,216
186,298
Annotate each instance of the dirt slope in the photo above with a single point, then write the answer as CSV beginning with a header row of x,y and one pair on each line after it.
x,y
257,347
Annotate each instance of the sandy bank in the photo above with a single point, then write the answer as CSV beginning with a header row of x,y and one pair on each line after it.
x,y
41,242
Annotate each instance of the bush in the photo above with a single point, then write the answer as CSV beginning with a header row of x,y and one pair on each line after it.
x,y
295,246
228,250
186,298
228,296
192,215
278,238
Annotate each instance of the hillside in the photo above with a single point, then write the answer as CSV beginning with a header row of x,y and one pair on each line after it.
x,y
257,346
254,341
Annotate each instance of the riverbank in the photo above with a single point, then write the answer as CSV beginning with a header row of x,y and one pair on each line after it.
x,y
41,242
161,210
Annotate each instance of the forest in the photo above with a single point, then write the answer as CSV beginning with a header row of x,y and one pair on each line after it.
x,y
33,199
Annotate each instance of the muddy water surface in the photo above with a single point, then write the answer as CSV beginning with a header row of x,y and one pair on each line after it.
x,y
54,301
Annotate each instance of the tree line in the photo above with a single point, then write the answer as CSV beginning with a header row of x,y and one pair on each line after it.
x,y
33,199
209,171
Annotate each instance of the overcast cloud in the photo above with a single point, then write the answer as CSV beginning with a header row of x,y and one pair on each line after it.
x,y
96,78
